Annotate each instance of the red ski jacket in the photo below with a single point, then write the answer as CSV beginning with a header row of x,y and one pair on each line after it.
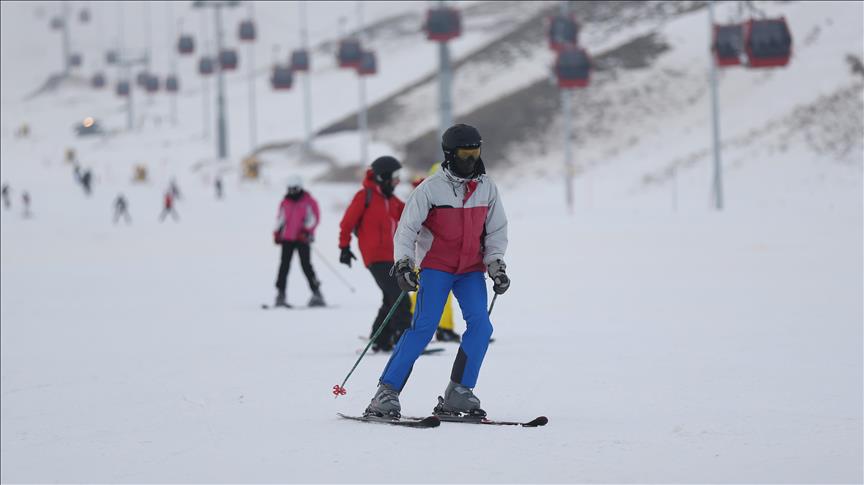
x,y
375,222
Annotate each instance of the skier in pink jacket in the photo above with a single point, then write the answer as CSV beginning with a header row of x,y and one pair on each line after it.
x,y
297,219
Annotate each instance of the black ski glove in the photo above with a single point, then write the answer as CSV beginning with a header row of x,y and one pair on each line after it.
x,y
406,277
497,271
346,256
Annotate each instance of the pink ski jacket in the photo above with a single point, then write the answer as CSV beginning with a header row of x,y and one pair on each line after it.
x,y
295,217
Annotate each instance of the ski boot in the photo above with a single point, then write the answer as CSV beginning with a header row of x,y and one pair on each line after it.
x,y
280,300
317,298
385,404
447,335
459,401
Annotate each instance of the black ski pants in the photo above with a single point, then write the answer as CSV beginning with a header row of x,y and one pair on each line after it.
x,y
401,319
302,248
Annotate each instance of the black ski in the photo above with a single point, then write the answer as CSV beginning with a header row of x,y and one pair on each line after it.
x,y
265,306
538,421
427,351
427,422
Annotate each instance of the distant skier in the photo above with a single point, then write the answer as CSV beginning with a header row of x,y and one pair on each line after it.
x,y
25,199
168,207
297,218
174,189
372,216
121,209
454,225
6,191
218,185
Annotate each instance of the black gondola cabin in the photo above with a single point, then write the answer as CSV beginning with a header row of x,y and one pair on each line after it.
x,y
122,88
152,84
98,80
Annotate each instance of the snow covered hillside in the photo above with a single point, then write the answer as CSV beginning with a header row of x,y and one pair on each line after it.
x,y
665,341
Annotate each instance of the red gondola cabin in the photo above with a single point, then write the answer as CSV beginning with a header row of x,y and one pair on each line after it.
x,y
172,85
228,59
768,42
368,64
247,31
563,32
573,68
186,44
122,88
205,66
152,84
300,60
98,81
442,24
350,53
727,44
282,78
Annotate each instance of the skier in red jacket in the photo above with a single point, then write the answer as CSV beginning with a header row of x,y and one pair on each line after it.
x,y
373,216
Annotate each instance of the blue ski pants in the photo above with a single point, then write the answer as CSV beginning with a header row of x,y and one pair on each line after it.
x,y
470,292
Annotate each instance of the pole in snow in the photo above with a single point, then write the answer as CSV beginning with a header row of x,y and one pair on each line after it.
x,y
715,115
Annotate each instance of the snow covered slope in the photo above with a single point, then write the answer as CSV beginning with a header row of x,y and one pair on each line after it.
x,y
664,341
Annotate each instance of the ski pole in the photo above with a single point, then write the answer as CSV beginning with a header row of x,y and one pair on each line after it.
x,y
493,304
340,390
332,269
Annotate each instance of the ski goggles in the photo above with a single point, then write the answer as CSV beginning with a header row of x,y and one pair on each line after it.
x,y
394,175
466,153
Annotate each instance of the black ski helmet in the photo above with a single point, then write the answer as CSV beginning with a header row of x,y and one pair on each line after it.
x,y
460,136
383,167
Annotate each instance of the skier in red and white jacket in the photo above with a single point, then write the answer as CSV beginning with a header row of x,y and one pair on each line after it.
x,y
373,216
453,229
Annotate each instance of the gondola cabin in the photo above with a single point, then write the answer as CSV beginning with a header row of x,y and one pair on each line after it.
x,y
300,60
349,54
84,16
573,68
205,66
727,44
768,42
247,31
186,45
56,23
75,60
98,81
111,57
122,88
563,32
282,78
141,79
172,85
152,84
368,64
228,59
442,24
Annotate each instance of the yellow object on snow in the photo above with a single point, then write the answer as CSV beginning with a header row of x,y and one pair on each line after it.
x,y
446,316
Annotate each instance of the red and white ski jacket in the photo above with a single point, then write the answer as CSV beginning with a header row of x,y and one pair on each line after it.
x,y
452,224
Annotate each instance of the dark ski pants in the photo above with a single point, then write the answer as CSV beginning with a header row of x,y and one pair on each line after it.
x,y
302,248
470,292
390,291
166,211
